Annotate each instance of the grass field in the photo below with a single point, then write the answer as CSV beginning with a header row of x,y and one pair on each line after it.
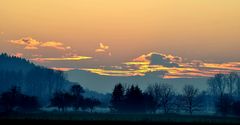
x,y
108,117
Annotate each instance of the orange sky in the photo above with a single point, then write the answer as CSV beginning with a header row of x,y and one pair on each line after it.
x,y
194,29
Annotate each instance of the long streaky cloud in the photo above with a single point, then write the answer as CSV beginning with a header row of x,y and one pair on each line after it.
x,y
53,44
136,63
77,58
62,69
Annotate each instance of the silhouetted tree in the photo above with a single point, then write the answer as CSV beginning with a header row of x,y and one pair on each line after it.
x,y
91,103
155,91
77,91
224,104
236,108
117,98
205,101
134,100
222,88
62,100
58,100
232,82
178,103
217,84
163,94
189,98
149,103
11,98
238,87
29,103
73,98
167,95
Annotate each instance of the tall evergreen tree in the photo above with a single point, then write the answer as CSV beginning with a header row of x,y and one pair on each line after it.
x,y
134,100
117,98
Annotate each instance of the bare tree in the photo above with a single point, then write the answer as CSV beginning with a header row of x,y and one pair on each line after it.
x,y
217,84
167,95
238,87
232,81
163,94
154,90
222,86
189,98
234,84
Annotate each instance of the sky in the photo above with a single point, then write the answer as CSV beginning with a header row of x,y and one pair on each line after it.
x,y
177,38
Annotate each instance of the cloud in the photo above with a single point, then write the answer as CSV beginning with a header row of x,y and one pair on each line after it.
x,y
142,58
62,69
37,55
164,60
103,49
152,64
160,74
168,66
113,72
234,66
75,58
99,50
27,42
32,44
157,59
136,63
54,44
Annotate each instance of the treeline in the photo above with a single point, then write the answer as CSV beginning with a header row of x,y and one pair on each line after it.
x,y
225,90
73,99
156,97
223,96
15,100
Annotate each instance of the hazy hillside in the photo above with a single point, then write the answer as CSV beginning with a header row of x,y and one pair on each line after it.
x,y
33,80
37,80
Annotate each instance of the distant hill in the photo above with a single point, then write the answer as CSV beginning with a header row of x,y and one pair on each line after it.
x,y
105,84
37,80
34,80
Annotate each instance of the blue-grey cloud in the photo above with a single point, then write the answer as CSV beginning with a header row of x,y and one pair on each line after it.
x,y
161,59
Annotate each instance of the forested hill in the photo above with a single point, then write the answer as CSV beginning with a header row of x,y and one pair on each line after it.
x,y
32,79
13,63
